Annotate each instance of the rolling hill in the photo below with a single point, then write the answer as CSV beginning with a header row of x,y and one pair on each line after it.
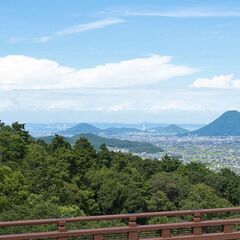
x,y
83,128
96,141
227,124
170,130
80,128
175,130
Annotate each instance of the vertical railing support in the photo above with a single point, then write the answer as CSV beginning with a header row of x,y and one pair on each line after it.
x,y
98,237
132,235
166,233
197,219
228,228
62,228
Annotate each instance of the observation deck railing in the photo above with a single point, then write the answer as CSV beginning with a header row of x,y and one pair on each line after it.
x,y
206,224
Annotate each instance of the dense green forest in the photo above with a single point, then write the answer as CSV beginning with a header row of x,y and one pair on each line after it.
x,y
40,180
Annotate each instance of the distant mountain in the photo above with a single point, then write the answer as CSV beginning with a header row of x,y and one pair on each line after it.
x,y
84,128
170,130
48,129
227,124
145,125
96,141
80,128
174,129
104,125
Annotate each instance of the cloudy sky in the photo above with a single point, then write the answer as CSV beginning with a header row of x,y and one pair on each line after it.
x,y
172,61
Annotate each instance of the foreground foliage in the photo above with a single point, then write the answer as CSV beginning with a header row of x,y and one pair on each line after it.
x,y
39,180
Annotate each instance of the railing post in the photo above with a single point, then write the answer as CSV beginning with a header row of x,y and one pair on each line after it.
x,y
166,233
197,219
132,235
62,228
227,228
98,237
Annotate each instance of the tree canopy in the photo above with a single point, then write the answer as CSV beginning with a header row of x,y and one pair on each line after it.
x,y
40,180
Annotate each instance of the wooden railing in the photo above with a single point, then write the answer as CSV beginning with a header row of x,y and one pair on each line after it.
x,y
229,227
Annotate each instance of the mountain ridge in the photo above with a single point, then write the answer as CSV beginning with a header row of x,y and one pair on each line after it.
x,y
85,128
96,141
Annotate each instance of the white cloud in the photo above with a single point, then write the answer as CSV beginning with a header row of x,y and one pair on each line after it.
x,y
22,72
217,82
75,105
175,106
69,31
183,13
120,107
88,26
64,104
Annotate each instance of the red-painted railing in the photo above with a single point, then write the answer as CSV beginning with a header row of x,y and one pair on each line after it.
x,y
227,228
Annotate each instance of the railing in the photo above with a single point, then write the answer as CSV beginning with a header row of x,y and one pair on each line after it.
x,y
229,228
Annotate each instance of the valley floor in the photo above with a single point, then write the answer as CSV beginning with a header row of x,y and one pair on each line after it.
x,y
216,152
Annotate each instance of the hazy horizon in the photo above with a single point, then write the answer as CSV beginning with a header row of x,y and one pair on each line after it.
x,y
52,119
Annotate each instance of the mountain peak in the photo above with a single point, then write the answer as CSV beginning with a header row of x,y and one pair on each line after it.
x,y
173,126
228,124
80,128
231,113
172,129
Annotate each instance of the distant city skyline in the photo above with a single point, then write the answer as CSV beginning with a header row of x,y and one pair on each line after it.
x,y
119,61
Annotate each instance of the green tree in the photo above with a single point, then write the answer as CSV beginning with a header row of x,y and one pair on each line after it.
x,y
159,201
104,157
175,186
13,188
59,142
196,172
86,155
107,189
133,184
229,186
19,128
202,196
12,146
169,164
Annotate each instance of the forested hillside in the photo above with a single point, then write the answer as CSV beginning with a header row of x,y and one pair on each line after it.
x,y
97,141
39,180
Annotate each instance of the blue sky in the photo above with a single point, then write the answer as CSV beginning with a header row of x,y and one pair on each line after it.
x,y
119,61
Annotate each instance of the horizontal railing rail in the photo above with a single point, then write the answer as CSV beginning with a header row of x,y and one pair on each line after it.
x,y
119,216
230,227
